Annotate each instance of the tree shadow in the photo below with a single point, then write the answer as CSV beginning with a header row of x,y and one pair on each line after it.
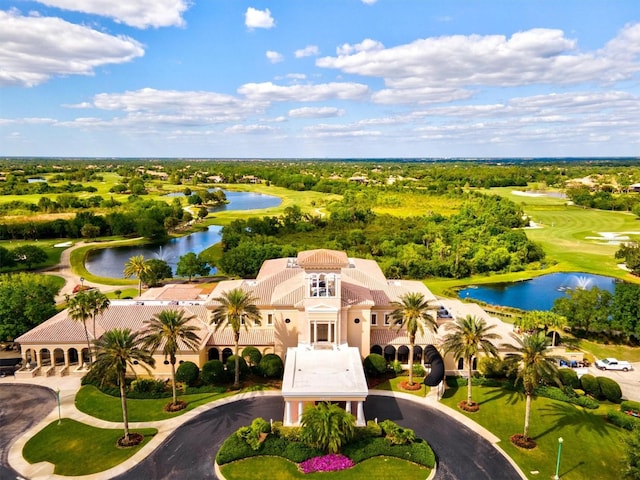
x,y
568,415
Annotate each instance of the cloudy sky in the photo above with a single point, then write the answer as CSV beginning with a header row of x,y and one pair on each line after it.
x,y
320,78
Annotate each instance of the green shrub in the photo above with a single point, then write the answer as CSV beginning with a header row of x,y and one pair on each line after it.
x,y
374,365
621,419
556,393
271,366
418,452
147,386
610,389
630,406
569,377
231,367
396,434
252,434
396,366
188,372
252,355
491,367
418,370
291,434
590,385
213,373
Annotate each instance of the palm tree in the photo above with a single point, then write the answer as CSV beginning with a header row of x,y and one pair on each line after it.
x,y
98,303
136,266
170,328
236,309
530,357
79,310
412,313
327,426
470,336
534,320
117,350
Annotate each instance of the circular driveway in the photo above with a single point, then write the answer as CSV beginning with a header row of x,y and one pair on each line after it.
x,y
23,406
190,450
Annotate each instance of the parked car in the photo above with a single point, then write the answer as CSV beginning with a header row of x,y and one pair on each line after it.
x,y
613,364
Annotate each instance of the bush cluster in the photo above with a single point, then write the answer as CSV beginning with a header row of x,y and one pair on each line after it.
x,y
568,396
188,372
271,366
374,365
630,406
610,389
621,419
214,373
419,451
252,355
590,385
397,435
569,377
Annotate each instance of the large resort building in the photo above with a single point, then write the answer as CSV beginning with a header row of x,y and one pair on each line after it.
x,y
322,313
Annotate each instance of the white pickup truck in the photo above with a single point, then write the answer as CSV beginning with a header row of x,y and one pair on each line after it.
x,y
613,364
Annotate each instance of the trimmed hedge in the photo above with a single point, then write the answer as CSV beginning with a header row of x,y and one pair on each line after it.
x,y
569,377
374,365
231,367
621,419
630,406
492,367
610,389
252,355
213,373
418,452
188,372
271,366
590,385
556,393
235,448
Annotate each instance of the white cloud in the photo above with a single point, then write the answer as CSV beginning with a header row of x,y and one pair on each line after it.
x,y
178,107
536,56
268,91
308,51
369,2
254,18
325,130
316,112
274,57
250,129
33,49
420,95
136,13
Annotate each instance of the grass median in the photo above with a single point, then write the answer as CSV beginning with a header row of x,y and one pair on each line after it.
x,y
79,449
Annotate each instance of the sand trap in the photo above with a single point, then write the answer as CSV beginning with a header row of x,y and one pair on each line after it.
x,y
527,194
63,245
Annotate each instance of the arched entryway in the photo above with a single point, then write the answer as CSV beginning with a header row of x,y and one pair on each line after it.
x,y
390,353
226,353
377,349
213,354
403,354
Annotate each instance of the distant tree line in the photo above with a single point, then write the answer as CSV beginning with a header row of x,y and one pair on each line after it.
x,y
483,237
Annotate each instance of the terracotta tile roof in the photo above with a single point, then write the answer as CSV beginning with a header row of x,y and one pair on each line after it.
x,y
323,258
388,336
256,336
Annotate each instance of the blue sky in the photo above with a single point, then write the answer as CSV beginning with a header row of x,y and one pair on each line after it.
x,y
319,78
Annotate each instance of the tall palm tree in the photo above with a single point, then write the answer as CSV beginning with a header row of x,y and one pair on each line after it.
x,y
327,426
79,310
236,310
469,337
533,363
98,303
412,313
171,329
117,350
136,266
547,320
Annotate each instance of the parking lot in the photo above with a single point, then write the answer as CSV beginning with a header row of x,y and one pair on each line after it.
x,y
629,381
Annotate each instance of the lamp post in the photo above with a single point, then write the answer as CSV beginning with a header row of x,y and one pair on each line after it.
x,y
58,398
556,477
81,282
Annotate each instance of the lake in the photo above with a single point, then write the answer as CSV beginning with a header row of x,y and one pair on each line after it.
x,y
109,262
537,293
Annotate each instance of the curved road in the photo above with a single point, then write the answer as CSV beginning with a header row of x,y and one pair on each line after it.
x,y
23,406
189,452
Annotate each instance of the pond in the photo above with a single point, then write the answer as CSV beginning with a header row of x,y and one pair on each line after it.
x,y
109,262
537,293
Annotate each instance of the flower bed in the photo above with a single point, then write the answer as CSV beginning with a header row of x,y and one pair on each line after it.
x,y
326,463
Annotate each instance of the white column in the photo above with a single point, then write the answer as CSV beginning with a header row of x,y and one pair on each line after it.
x,y
66,357
39,357
300,409
287,414
360,420
348,406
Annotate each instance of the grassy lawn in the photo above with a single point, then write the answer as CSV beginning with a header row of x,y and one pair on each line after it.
x,y
276,468
621,352
592,447
93,402
392,385
79,449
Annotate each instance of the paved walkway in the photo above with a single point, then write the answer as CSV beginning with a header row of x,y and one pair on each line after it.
x,y
69,386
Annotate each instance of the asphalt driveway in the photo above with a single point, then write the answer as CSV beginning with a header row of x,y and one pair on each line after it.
x,y
189,452
21,407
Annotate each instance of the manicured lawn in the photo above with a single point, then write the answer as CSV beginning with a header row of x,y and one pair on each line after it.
x,y
92,401
392,385
621,352
79,449
276,468
592,447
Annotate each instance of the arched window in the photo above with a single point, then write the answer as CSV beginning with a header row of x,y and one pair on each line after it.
x,y
376,349
460,363
213,354
403,354
322,285
417,354
390,353
226,353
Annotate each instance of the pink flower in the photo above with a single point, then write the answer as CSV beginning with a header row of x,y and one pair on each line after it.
x,y
327,463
